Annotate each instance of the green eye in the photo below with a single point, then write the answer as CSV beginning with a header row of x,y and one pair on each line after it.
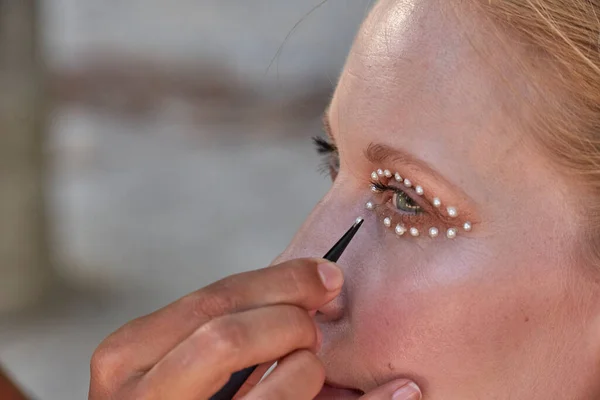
x,y
405,204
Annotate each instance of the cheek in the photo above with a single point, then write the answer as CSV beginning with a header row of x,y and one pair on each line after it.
x,y
450,321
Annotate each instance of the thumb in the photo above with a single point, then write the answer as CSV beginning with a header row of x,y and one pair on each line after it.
x,y
396,390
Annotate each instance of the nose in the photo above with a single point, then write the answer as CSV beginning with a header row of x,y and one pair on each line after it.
x,y
321,230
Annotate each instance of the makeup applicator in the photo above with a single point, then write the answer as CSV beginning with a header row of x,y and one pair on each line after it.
x,y
237,379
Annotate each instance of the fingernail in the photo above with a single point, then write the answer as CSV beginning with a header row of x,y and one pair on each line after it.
x,y
331,276
409,391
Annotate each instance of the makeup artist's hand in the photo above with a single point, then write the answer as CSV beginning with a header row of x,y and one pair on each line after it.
x,y
399,389
189,349
395,390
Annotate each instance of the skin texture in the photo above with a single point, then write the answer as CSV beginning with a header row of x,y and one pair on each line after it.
x,y
504,312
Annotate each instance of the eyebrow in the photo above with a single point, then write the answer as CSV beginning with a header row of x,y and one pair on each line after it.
x,y
379,153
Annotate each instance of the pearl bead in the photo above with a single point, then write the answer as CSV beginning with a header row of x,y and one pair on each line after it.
x,y
414,232
380,172
387,173
451,234
452,212
374,189
437,203
359,220
398,177
370,206
374,176
468,226
387,221
407,183
434,232
400,230
419,190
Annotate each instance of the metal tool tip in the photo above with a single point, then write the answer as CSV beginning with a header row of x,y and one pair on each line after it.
x,y
359,220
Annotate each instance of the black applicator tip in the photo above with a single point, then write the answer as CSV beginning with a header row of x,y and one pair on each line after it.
x,y
336,251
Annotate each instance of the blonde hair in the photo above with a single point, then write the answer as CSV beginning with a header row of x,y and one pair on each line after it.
x,y
566,35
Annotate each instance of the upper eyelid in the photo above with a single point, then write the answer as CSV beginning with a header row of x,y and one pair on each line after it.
x,y
387,187
422,202
429,208
426,205
379,153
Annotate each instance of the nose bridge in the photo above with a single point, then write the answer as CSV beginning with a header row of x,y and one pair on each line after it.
x,y
326,224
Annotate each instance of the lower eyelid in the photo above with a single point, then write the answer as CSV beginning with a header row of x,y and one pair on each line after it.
x,y
422,221
386,210
428,217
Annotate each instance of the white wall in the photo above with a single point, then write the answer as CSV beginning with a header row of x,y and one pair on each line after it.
x,y
244,33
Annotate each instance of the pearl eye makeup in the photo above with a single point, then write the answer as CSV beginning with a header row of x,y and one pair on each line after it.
x,y
402,206
401,203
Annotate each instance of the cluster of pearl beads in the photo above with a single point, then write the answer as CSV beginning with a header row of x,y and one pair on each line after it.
x,y
400,229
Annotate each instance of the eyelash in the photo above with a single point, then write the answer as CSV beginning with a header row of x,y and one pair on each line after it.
x,y
383,188
331,159
330,166
426,218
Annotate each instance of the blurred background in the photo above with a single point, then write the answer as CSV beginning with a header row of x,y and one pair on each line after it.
x,y
148,148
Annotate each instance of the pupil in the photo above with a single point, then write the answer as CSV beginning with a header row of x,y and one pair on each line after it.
x,y
405,203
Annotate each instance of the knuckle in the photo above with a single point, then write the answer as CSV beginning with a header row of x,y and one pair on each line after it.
x,y
213,301
106,367
296,281
110,364
226,336
299,280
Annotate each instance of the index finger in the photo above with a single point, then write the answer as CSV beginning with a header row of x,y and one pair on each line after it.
x,y
306,283
254,379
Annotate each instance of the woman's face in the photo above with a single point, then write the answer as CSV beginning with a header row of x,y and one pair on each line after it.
x,y
501,312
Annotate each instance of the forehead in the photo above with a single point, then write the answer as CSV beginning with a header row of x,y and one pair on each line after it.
x,y
416,80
